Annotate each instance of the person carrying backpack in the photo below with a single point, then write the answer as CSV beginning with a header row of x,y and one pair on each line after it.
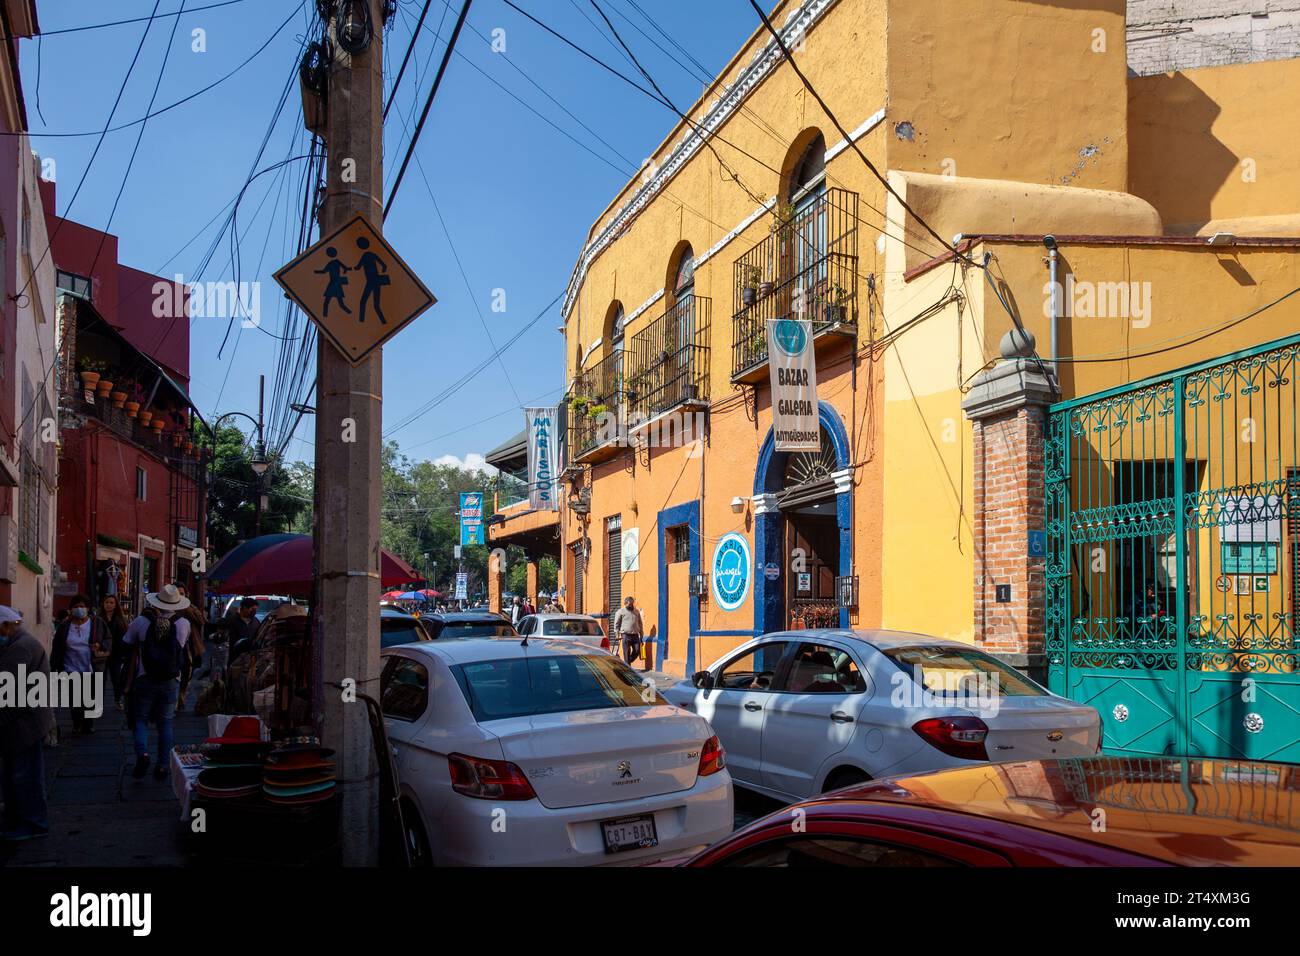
x,y
158,641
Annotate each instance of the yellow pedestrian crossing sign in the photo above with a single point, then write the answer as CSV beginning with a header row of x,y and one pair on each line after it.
x,y
356,288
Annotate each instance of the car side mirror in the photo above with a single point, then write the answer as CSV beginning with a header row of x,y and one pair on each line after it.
x,y
702,680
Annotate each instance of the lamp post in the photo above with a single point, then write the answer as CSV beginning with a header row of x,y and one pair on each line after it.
x,y
259,462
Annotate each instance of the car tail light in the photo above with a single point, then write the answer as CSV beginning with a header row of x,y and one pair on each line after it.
x,y
712,758
488,779
604,643
956,736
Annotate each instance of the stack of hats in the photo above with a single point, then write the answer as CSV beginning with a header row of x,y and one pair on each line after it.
x,y
232,764
298,772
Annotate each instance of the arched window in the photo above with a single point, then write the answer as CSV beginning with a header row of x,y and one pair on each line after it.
x,y
684,280
614,336
810,174
807,193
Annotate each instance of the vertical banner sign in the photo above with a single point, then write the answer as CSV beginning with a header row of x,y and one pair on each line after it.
x,y
462,586
471,517
543,445
793,369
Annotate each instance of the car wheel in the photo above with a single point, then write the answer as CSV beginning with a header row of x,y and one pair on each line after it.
x,y
845,777
417,841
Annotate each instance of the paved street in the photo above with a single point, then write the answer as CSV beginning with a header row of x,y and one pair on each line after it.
x,y
99,814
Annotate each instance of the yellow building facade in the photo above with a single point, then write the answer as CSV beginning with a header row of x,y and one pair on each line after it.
x,y
996,123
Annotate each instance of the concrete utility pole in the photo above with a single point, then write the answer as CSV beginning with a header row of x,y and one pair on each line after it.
x,y
348,420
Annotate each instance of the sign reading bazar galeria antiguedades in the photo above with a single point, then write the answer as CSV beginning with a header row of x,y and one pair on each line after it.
x,y
793,370
542,428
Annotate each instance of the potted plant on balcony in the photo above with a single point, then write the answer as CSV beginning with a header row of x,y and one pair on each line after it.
x,y
133,403
157,425
833,305
90,372
750,277
145,416
578,403
105,384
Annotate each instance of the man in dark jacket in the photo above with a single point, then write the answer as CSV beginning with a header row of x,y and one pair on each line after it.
x,y
23,730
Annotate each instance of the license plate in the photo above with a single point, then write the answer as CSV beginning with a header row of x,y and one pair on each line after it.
x,y
629,833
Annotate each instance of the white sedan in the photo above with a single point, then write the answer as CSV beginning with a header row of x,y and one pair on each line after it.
x,y
547,753
571,627
804,712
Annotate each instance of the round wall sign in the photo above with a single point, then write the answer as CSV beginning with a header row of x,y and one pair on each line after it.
x,y
732,564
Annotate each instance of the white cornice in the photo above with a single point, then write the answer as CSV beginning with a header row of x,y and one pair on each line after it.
x,y
760,67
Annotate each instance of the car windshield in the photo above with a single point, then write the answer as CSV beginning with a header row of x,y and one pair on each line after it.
x,y
958,672
267,605
401,632
477,629
571,628
522,687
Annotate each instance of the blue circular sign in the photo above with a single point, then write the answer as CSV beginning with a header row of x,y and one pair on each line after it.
x,y
732,564
789,336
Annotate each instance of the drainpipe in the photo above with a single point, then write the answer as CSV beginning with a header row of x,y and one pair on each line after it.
x,y
1052,263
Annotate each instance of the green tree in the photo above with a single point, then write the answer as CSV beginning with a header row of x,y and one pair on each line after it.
x,y
232,492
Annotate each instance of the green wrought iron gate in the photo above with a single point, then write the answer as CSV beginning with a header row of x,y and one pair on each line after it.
x,y
1173,562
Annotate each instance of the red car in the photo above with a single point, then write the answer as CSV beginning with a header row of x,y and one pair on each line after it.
x,y
1099,811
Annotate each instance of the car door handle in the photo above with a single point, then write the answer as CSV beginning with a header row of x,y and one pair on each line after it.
x,y
753,705
841,718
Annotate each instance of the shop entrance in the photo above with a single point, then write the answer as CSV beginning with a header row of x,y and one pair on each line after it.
x,y
813,543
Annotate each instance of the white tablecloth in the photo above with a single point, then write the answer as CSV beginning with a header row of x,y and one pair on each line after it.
x,y
183,783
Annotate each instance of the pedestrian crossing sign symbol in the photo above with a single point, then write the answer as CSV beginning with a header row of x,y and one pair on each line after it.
x,y
356,288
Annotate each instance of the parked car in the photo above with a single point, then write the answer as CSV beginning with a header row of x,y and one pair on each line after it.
x,y
450,624
1156,812
398,627
572,627
591,765
266,603
803,712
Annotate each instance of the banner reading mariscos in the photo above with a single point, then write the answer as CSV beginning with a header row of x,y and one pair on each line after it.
x,y
471,518
793,369
542,425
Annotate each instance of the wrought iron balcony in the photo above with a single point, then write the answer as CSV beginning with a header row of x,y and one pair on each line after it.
x,y
668,360
597,392
806,268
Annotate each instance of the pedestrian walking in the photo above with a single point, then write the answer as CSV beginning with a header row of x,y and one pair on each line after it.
x,y
23,730
630,629
110,612
158,639
194,650
516,611
81,646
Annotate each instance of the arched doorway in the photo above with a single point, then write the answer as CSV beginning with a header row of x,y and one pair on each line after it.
x,y
803,531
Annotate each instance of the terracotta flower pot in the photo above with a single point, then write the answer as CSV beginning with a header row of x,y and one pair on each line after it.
x,y
145,417
119,399
90,378
103,387
157,425
132,409
189,448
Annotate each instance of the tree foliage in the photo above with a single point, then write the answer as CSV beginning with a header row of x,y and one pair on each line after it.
x,y
232,493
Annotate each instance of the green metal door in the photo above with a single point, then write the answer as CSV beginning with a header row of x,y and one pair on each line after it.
x,y
1173,565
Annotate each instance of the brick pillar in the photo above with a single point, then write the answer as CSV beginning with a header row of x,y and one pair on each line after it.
x,y
531,587
496,582
1007,405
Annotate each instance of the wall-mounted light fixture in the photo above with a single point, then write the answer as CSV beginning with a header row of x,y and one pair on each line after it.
x,y
846,591
737,504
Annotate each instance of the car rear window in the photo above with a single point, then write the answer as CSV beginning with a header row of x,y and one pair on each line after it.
x,y
958,672
391,635
571,629
476,629
524,686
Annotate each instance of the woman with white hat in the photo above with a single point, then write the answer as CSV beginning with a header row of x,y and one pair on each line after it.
x,y
158,640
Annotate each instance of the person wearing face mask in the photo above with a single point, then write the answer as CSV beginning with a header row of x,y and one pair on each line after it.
x,y
23,730
80,643
158,640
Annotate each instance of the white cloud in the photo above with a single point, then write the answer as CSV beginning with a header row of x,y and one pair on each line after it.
x,y
471,462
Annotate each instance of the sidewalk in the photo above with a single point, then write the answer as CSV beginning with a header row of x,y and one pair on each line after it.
x,y
99,814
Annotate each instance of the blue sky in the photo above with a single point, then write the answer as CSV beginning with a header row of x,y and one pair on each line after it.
x,y
516,195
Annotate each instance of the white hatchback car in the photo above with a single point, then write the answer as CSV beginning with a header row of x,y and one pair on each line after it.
x,y
570,627
546,753
804,712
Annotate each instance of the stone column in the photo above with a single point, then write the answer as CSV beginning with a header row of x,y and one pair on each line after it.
x,y
1007,406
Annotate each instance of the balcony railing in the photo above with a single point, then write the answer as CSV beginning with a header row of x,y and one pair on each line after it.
x,y
596,390
511,489
120,423
806,268
668,362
